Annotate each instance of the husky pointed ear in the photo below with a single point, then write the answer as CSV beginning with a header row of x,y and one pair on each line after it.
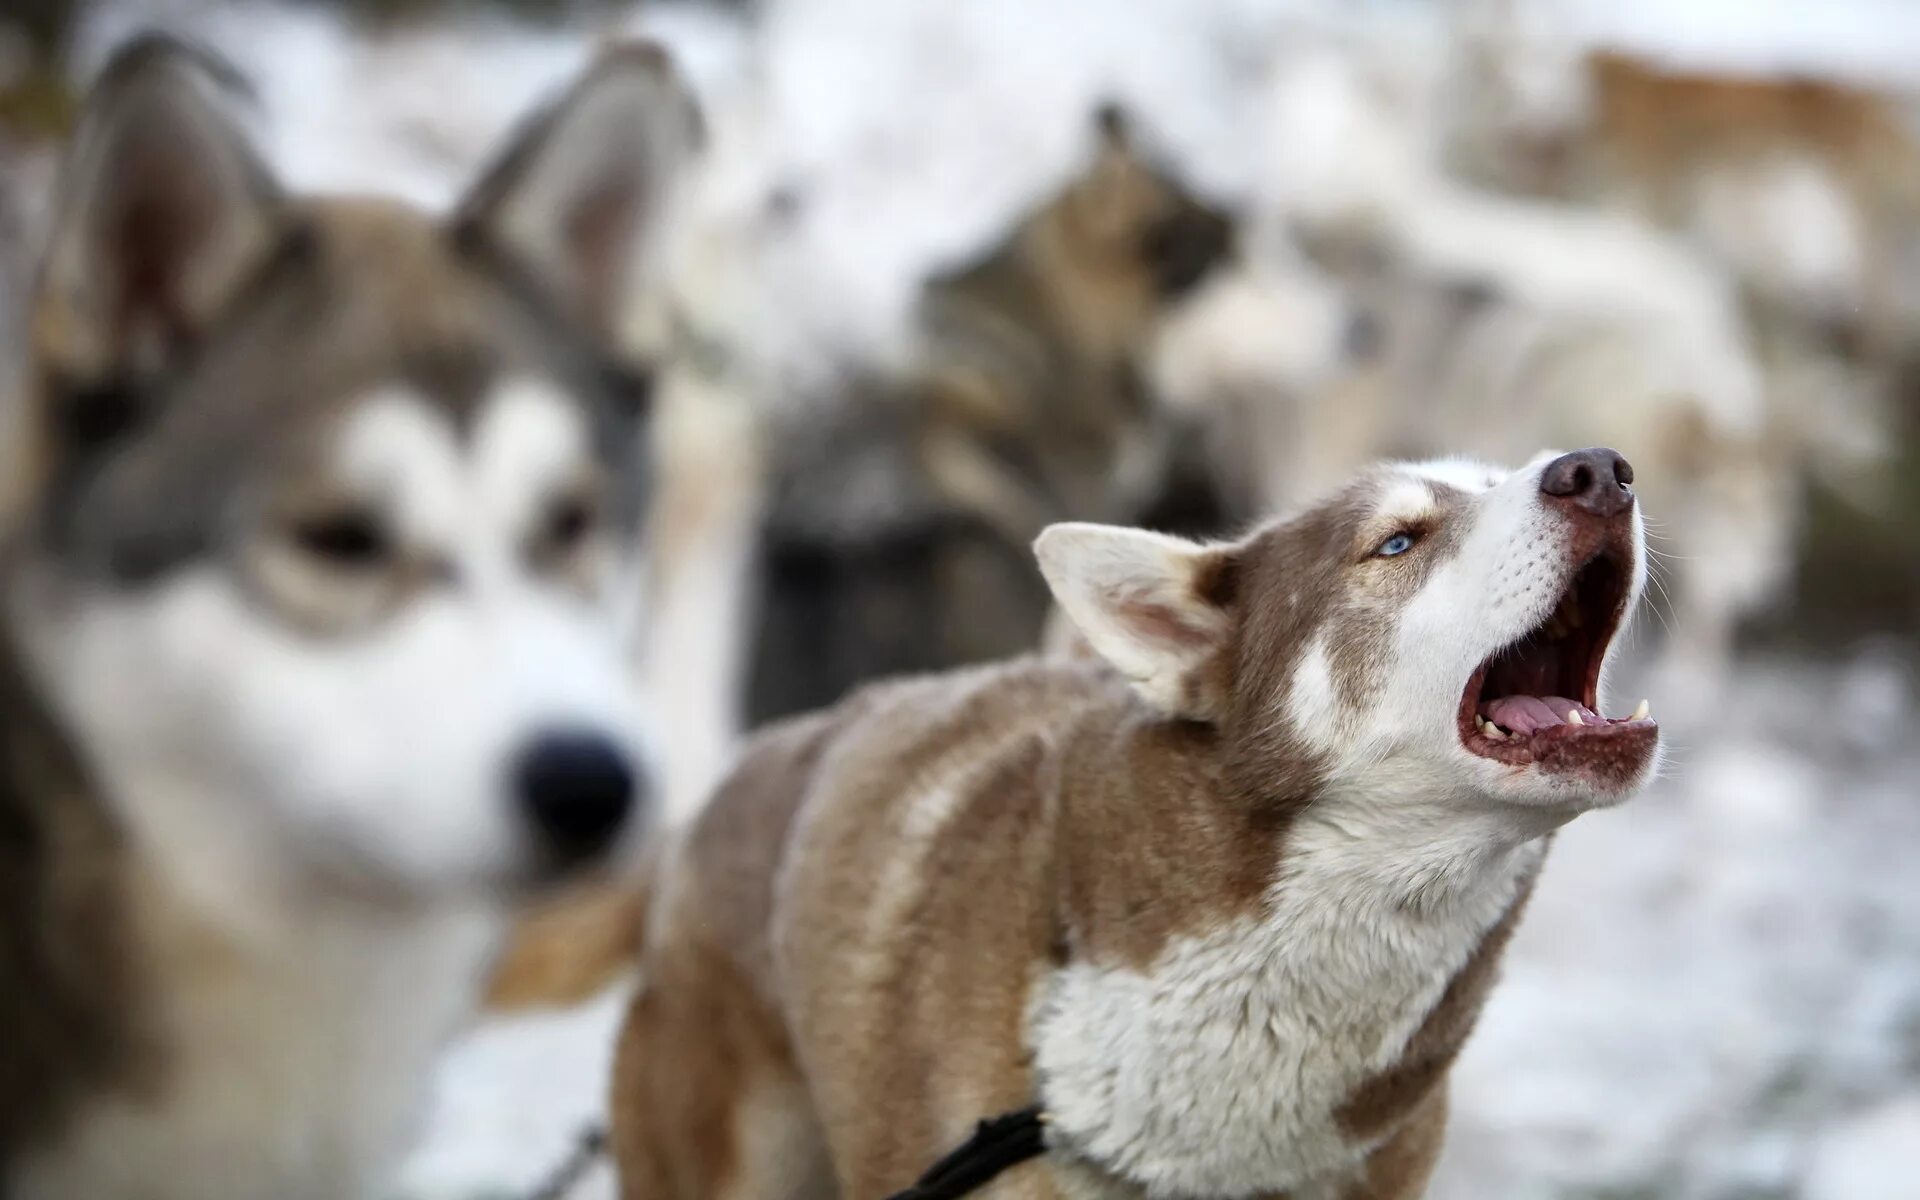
x,y
581,187
163,206
1113,126
1157,608
1109,191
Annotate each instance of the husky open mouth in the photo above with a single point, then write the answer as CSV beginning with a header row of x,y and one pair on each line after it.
x,y
1535,701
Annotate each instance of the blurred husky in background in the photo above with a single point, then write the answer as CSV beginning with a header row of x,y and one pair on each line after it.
x,y
896,517
321,528
1808,189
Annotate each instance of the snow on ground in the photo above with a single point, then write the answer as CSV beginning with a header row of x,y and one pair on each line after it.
x,y
512,1102
1716,992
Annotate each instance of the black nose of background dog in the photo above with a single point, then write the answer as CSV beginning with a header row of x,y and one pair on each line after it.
x,y
578,789
1594,480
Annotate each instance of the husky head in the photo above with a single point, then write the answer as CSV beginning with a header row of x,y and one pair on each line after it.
x,y
1435,630
1123,240
1133,222
331,508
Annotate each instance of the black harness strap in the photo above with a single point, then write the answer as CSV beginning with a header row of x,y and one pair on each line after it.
x,y
1004,1141
587,1150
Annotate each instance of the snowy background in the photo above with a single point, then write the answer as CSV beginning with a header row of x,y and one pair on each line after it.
x,y
1717,991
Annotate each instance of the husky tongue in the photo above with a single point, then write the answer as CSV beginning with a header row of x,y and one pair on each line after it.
x,y
1527,714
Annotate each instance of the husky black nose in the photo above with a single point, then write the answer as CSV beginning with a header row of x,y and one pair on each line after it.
x,y
1594,480
578,788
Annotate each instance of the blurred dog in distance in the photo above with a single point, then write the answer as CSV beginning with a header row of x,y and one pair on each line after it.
x,y
896,517
322,531
1807,189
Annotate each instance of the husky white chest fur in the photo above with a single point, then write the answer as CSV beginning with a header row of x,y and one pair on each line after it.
x,y
1223,898
1225,1067
313,644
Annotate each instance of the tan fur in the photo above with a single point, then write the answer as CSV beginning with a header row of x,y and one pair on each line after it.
x,y
1719,155
712,971
1659,126
571,948
1040,344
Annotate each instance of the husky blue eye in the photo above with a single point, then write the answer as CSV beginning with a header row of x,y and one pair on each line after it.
x,y
1399,543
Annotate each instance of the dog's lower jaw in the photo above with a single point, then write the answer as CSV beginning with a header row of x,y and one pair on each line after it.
x,y
293,1054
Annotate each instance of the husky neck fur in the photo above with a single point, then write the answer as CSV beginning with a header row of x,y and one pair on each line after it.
x,y
315,585
1223,894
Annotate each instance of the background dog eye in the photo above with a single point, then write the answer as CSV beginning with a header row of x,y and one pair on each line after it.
x,y
346,539
1399,543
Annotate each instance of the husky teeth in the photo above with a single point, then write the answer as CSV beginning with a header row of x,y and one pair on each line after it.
x,y
1641,711
1574,717
1493,731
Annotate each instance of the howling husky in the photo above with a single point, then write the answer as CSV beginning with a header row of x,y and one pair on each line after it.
x,y
1223,899
318,552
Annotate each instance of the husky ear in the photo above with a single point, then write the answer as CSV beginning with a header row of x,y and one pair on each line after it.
x,y
1108,193
581,186
163,207
1155,607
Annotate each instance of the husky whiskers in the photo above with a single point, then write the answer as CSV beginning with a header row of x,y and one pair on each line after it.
x,y
323,520
1224,897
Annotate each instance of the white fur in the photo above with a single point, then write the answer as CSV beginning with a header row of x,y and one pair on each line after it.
x,y
1312,700
1271,324
525,445
1105,576
705,525
319,822
1216,1071
1787,225
1406,499
1467,474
